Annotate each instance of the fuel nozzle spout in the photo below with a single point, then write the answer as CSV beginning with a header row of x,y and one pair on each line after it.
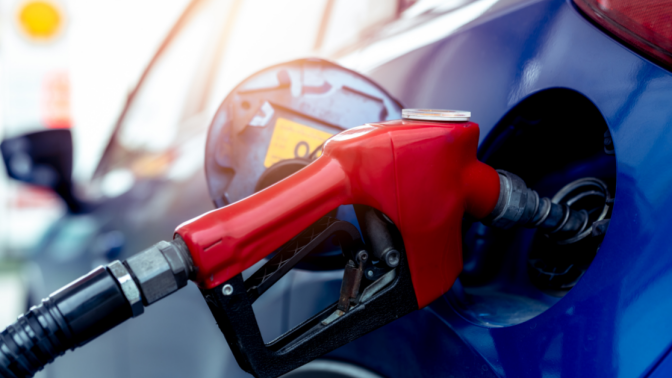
x,y
519,205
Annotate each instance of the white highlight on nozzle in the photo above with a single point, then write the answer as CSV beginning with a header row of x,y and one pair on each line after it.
x,y
436,115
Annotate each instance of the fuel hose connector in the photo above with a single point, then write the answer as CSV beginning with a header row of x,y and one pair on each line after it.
x,y
92,305
520,206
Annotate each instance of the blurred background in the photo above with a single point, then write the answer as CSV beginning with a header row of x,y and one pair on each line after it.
x,y
132,78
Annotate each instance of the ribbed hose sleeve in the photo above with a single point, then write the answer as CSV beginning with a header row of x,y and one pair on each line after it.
x,y
33,341
67,319
521,206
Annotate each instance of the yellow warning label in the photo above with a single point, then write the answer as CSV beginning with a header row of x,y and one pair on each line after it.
x,y
293,140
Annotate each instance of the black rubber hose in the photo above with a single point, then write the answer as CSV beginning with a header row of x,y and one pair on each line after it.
x,y
69,318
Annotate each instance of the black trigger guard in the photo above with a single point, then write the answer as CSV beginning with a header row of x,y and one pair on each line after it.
x,y
293,251
231,305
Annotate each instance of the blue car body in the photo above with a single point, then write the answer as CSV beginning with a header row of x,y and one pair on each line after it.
x,y
614,322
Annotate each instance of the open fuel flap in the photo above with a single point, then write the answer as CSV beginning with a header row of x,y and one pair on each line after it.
x,y
275,122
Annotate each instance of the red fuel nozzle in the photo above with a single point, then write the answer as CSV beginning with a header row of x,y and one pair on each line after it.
x,y
423,175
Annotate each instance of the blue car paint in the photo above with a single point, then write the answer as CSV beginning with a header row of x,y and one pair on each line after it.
x,y
616,321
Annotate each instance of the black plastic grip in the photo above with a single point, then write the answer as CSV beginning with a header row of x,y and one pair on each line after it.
x,y
231,305
69,318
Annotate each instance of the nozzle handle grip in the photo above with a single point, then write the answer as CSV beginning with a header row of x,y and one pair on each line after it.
x,y
233,238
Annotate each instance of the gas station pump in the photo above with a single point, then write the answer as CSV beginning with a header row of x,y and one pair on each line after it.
x,y
410,180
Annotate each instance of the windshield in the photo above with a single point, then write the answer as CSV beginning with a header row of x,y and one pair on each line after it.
x,y
218,44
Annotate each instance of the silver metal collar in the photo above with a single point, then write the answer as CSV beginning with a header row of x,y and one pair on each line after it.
x,y
128,286
436,115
